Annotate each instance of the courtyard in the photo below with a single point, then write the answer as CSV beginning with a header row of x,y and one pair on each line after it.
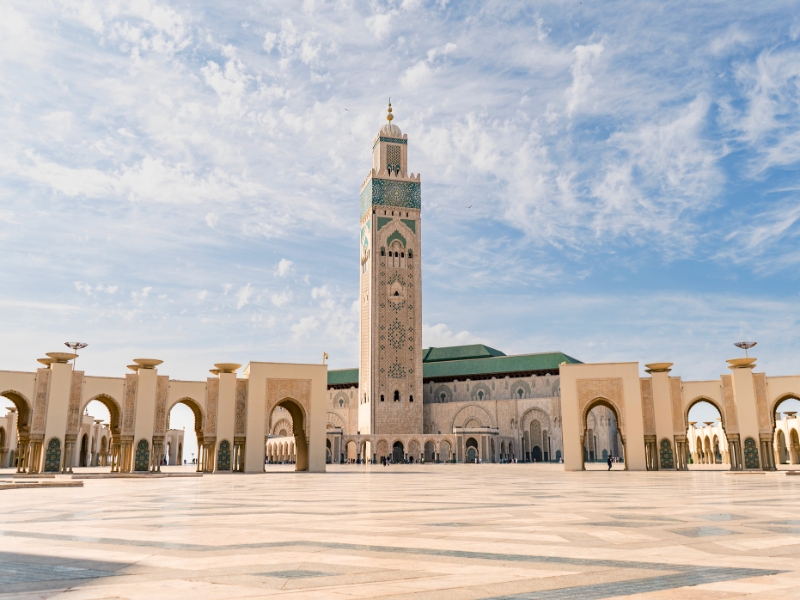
x,y
406,531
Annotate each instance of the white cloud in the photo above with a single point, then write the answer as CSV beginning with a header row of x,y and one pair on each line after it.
x,y
226,288
439,335
281,298
381,24
285,267
270,38
138,133
202,295
304,327
416,76
243,296
585,58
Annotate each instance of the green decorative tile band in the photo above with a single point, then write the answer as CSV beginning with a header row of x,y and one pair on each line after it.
x,y
396,236
390,140
383,192
412,225
383,221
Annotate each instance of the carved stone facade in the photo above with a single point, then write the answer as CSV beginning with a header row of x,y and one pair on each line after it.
x,y
211,407
591,390
131,383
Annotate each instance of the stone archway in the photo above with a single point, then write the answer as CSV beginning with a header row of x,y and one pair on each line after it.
x,y
205,452
786,450
298,415
704,449
23,407
473,415
398,453
472,453
383,450
413,451
587,431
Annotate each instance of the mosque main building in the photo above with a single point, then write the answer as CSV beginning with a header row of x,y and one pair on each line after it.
x,y
405,403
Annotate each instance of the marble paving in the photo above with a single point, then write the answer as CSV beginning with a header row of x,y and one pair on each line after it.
x,y
413,531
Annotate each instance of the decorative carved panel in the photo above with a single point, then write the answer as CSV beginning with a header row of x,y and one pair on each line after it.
x,y
241,406
760,385
74,410
610,389
160,424
648,411
676,397
280,389
211,406
40,403
730,416
129,411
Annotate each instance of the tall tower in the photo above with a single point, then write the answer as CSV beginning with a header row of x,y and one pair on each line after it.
x,y
390,374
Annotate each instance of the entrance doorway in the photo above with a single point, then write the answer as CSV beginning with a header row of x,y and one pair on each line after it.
x,y
472,450
786,441
96,426
186,415
602,437
706,438
398,453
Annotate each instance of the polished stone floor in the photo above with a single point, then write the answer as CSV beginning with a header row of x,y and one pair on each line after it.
x,y
416,531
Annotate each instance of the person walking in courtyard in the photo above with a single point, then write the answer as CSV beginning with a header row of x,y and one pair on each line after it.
x,y
610,462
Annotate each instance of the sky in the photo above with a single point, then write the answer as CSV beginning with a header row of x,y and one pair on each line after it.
x,y
615,180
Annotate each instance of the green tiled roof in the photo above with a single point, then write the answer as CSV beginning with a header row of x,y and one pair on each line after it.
x,y
521,363
430,355
460,362
343,377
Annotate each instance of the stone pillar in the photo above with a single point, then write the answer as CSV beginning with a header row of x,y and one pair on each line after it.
x,y
744,398
238,452
735,449
663,412
114,450
69,450
651,452
34,456
125,454
157,454
767,454
22,454
681,453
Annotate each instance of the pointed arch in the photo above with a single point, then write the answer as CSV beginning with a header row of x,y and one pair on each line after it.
x,y
24,411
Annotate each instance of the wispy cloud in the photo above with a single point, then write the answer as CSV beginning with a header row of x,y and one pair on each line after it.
x,y
164,166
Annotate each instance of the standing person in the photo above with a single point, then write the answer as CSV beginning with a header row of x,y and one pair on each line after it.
x,y
610,462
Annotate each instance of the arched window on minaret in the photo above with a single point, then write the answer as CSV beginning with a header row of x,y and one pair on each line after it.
x,y
398,254
397,395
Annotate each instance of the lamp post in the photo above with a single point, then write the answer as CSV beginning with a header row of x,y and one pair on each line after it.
x,y
745,346
75,346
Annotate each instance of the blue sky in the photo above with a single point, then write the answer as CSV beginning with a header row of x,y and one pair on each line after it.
x,y
180,179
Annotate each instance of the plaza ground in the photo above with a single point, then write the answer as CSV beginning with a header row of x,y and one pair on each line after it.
x,y
407,531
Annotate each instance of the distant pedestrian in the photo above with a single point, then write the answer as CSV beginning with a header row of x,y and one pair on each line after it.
x,y
610,462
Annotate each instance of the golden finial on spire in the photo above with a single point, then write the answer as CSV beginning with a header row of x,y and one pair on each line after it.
x,y
389,117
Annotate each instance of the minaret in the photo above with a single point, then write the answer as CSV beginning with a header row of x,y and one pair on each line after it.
x,y
390,375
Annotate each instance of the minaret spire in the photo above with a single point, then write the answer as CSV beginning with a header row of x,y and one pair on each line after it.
x,y
390,371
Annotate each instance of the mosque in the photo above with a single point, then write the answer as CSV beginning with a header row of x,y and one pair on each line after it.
x,y
403,403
